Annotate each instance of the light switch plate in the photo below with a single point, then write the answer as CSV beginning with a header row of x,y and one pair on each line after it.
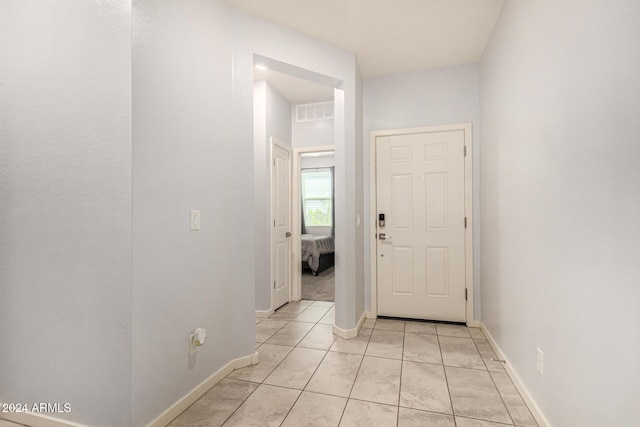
x,y
195,220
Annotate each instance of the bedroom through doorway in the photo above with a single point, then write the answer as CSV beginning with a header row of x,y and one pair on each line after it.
x,y
317,219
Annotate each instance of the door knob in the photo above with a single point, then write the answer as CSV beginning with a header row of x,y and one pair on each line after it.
x,y
287,234
383,236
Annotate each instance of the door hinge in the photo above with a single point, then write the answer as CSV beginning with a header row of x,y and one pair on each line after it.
x,y
465,222
465,293
274,160
465,151
274,285
274,222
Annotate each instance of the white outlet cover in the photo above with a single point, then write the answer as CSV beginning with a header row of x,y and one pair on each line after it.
x,y
193,348
195,220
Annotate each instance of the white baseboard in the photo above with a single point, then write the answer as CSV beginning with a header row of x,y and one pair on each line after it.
x,y
40,420
535,410
264,314
181,405
370,315
33,419
347,334
473,323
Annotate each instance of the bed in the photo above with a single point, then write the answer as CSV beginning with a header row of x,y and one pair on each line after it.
x,y
317,252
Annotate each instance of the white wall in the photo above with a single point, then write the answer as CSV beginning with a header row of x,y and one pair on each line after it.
x,y
324,161
358,223
312,134
438,96
560,204
255,36
272,118
261,196
278,116
65,207
187,155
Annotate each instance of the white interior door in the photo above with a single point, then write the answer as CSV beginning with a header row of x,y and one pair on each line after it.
x,y
281,221
421,247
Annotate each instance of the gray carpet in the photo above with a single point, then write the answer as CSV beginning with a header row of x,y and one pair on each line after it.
x,y
319,288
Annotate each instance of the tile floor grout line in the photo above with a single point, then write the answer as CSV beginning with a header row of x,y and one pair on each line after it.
x,y
382,357
283,359
290,409
279,345
239,406
356,377
501,398
277,330
492,381
317,367
326,352
427,410
305,335
307,383
282,345
237,379
517,391
404,336
446,380
360,366
296,344
483,361
467,368
275,367
324,314
487,421
521,398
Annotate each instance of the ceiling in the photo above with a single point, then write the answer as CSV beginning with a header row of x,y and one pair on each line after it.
x,y
296,90
390,36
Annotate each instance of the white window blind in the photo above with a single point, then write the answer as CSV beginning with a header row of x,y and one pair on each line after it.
x,y
316,197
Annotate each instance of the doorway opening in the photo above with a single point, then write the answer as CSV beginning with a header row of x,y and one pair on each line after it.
x,y
317,224
296,109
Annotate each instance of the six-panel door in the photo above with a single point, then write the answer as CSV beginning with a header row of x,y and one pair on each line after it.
x,y
421,261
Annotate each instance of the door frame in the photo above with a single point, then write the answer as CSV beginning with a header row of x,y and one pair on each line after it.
x,y
468,207
273,142
296,214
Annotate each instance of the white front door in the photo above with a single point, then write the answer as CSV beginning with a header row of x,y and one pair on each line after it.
x,y
281,223
421,247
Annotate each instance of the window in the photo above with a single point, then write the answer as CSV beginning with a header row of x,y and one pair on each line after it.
x,y
316,197
314,112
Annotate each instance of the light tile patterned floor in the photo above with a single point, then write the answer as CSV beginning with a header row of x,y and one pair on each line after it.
x,y
394,373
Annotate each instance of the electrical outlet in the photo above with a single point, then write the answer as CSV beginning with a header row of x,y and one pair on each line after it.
x,y
193,348
540,361
195,220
